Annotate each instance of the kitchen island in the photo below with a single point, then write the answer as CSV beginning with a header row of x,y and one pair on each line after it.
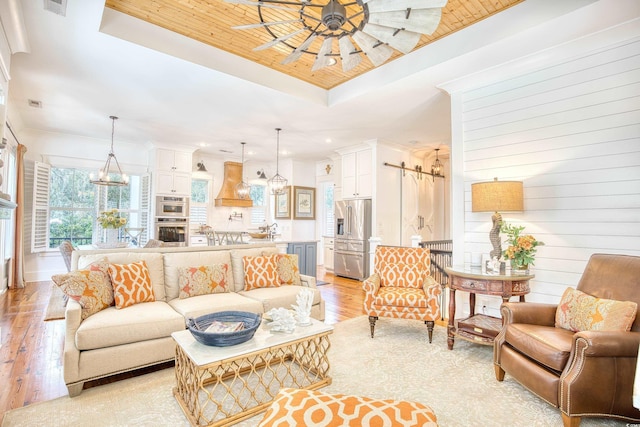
x,y
307,250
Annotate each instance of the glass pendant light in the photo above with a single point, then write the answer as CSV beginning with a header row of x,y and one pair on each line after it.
x,y
277,182
243,188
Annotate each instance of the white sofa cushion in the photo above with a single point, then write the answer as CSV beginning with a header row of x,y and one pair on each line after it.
x,y
282,296
153,260
213,303
174,260
139,322
236,263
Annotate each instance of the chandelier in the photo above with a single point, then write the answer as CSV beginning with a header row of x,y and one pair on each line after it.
x,y
108,176
277,182
243,188
369,28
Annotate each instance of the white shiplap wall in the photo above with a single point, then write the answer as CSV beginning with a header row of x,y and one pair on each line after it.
x,y
571,133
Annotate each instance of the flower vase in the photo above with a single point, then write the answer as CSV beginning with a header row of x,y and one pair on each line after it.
x,y
519,269
111,237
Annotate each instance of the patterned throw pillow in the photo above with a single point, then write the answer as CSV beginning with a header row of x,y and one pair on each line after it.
x,y
288,270
294,407
578,311
131,284
203,280
260,272
91,287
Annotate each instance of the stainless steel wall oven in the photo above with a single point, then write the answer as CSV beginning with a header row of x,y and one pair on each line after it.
x,y
172,231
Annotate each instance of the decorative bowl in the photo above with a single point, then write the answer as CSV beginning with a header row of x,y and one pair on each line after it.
x,y
258,235
198,327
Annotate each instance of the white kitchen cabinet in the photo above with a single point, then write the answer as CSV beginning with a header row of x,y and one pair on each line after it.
x,y
173,183
328,253
198,240
172,170
173,161
357,175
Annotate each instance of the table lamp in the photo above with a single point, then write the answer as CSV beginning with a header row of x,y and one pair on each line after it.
x,y
495,196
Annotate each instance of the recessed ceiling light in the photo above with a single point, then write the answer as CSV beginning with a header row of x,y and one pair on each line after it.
x,y
204,144
328,141
331,61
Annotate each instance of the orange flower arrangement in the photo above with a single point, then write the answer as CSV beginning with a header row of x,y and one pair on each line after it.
x,y
522,249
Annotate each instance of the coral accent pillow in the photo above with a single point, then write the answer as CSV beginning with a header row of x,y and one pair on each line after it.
x,y
203,280
91,287
288,270
578,311
260,272
293,407
131,284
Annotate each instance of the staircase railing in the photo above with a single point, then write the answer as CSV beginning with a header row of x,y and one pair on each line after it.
x,y
441,252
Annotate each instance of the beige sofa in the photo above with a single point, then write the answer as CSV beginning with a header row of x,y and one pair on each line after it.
x,y
119,340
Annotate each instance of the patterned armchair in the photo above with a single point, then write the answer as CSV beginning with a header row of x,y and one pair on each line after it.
x,y
401,287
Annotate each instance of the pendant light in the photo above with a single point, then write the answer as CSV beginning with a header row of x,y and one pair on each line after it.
x,y
243,188
436,167
107,176
277,182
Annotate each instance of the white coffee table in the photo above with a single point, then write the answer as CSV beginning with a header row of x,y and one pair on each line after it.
x,y
220,385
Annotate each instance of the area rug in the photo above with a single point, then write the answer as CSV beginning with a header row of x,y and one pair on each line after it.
x,y
57,304
399,363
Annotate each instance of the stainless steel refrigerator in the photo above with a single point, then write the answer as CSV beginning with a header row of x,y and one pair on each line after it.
x,y
351,244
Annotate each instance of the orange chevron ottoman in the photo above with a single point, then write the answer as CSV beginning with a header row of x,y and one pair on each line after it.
x,y
298,408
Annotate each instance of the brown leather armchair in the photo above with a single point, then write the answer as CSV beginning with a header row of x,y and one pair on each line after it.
x,y
588,373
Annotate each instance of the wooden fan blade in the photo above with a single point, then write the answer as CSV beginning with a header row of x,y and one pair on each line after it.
x,y
378,55
297,53
350,60
265,24
278,40
423,21
389,5
322,60
404,41
261,4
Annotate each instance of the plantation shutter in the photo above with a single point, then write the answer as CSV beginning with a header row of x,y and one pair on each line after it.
x,y
101,205
145,208
40,213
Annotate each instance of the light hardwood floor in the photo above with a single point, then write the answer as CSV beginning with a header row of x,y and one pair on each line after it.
x,y
31,349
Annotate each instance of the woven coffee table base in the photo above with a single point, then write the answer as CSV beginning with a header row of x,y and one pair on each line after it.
x,y
235,389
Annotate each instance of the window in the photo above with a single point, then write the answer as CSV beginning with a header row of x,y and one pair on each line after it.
x,y
72,207
66,205
198,208
259,210
328,217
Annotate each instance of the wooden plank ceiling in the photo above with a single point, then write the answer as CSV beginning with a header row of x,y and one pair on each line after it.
x,y
210,22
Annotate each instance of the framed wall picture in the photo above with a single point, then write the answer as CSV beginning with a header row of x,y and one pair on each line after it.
x,y
283,204
304,203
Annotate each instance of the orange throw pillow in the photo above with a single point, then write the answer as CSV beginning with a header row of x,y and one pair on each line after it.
x,y
260,272
131,284
91,287
288,270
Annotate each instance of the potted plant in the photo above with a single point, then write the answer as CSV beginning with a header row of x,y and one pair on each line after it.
x,y
521,250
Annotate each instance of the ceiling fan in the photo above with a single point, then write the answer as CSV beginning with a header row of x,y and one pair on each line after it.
x,y
372,27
